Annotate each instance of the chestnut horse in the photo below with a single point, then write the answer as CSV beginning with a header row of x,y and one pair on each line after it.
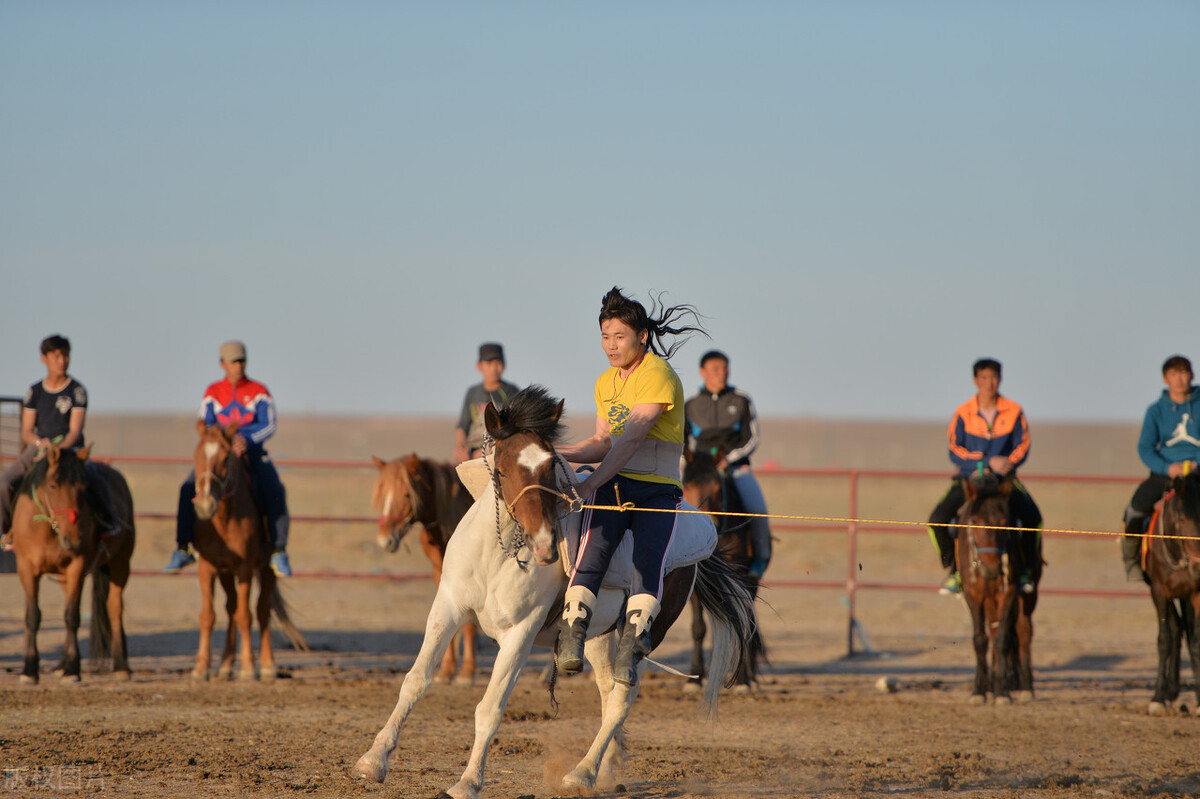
x,y
54,532
1001,613
231,542
501,567
710,490
1172,561
408,491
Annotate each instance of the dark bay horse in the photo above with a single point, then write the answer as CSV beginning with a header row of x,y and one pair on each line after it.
x,y
232,545
1002,615
501,567
708,489
410,491
54,532
1172,561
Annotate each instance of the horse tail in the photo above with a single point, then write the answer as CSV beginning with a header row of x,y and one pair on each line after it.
x,y
724,595
279,609
100,642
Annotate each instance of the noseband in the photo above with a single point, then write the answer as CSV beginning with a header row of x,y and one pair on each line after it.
x,y
50,514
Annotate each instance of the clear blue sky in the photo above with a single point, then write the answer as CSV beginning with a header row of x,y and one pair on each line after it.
x,y
862,197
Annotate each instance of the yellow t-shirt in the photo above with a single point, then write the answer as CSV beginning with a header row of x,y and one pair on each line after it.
x,y
653,381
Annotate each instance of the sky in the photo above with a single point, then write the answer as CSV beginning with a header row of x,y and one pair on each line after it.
x,y
861,198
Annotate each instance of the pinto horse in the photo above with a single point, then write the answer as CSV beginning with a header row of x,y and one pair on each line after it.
x,y
1002,615
54,532
501,567
708,489
1172,562
408,491
232,545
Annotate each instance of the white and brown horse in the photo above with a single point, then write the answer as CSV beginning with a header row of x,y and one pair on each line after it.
x,y
501,567
411,490
231,542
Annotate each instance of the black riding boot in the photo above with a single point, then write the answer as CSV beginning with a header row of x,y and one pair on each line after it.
x,y
572,629
635,641
1131,546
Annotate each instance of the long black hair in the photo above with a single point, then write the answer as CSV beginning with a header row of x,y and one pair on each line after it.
x,y
660,322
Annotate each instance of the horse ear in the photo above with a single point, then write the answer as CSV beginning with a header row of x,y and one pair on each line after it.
x,y
491,419
379,462
231,430
83,452
558,409
201,426
52,456
1006,487
412,463
969,489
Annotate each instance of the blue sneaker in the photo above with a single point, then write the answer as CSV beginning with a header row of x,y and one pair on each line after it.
x,y
952,586
179,559
280,564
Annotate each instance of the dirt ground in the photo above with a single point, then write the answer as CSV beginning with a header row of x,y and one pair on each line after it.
x,y
817,725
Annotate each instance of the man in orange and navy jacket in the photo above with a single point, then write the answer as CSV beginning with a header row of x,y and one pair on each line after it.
x,y
988,433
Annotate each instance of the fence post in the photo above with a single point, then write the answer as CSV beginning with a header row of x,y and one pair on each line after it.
x,y
852,557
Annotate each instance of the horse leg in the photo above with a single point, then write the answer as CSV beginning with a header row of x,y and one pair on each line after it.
x,y
229,653
1168,643
116,618
599,766
208,617
33,622
73,594
242,615
266,654
980,639
443,622
466,673
1024,658
1003,631
450,660
699,630
1191,613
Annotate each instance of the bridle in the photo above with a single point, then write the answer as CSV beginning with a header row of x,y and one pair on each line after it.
x,y
226,485
50,514
405,523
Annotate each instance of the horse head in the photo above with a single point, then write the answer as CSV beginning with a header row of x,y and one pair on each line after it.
x,y
57,484
214,466
397,498
985,509
523,466
702,480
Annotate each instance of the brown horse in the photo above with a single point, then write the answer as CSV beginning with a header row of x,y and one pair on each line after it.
x,y
708,489
1172,561
1002,615
408,491
54,532
231,541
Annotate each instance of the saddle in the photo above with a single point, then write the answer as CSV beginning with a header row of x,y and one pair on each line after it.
x,y
695,536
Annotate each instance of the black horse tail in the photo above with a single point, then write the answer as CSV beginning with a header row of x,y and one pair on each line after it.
x,y
280,611
724,595
100,641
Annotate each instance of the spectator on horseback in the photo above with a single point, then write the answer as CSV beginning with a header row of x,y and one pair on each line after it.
x,y
468,433
1169,445
53,412
721,419
247,402
637,445
988,433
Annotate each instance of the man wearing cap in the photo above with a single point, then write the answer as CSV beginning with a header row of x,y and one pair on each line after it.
x,y
468,434
721,418
988,433
247,402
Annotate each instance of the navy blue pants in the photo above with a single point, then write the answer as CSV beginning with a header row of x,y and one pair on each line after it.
x,y
604,529
269,494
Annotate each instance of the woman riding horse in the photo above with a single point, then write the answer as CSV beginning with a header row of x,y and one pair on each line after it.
x,y
638,444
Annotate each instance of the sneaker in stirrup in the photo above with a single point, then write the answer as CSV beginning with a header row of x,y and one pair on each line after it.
x,y
179,559
280,563
952,586
572,629
635,641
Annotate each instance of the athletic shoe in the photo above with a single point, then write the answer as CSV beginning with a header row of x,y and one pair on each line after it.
x,y
952,586
179,559
280,564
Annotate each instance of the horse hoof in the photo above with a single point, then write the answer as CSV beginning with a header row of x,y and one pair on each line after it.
x,y
225,672
199,675
267,673
1003,701
977,699
370,768
122,676
579,780
441,679
27,679
58,672
246,675
464,680
1024,696
741,689
1157,709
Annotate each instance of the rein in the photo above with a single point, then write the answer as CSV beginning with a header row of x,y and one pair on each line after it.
x,y
49,515
1175,562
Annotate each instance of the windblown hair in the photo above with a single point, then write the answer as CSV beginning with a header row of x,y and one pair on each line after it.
x,y
71,470
660,322
531,410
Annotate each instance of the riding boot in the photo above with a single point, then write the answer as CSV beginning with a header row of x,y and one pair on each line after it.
x,y
635,641
1030,554
572,630
1131,545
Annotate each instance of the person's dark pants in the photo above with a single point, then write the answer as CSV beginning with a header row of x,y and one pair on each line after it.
x,y
1022,512
269,494
604,529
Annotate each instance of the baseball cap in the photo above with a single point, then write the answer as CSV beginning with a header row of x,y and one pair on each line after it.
x,y
491,352
233,351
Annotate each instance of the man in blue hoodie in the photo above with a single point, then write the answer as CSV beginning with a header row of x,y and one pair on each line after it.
x,y
1169,443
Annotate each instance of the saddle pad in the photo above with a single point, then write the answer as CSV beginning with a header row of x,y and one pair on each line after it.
x,y
694,540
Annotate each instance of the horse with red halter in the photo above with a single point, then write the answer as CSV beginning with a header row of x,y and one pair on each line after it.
x,y
54,532
1001,613
1171,550
708,489
409,491
232,545
501,567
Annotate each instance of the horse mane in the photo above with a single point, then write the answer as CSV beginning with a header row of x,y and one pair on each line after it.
x,y
699,466
1189,497
531,410
71,470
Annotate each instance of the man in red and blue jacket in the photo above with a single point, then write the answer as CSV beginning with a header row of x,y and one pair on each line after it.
x,y
988,433
247,402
